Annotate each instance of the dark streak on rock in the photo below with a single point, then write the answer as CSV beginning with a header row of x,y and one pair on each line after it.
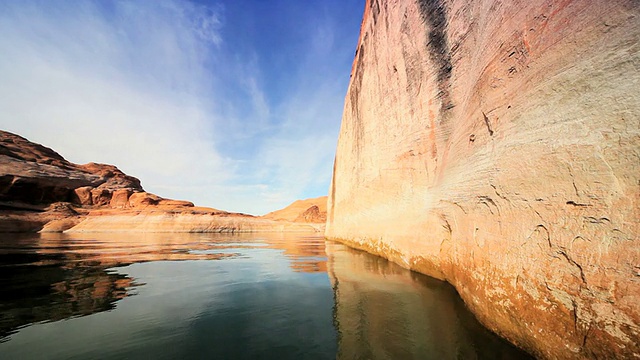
x,y
574,305
488,123
572,262
333,189
446,225
434,14
375,10
357,81
487,201
546,231
354,93
576,204
594,220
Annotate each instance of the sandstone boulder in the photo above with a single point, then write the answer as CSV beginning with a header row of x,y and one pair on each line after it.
x,y
120,198
82,196
143,199
101,197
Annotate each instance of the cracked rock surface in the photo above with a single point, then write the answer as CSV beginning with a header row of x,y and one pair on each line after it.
x,y
496,144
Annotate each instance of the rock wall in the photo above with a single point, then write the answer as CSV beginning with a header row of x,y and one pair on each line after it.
x,y
496,144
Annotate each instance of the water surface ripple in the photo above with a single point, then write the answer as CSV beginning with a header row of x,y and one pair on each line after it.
x,y
214,296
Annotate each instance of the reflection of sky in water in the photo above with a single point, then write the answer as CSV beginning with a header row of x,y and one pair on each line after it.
x,y
273,299
233,307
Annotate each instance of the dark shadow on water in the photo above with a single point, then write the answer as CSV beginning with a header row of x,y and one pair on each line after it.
x,y
383,311
43,287
51,277
52,293
264,323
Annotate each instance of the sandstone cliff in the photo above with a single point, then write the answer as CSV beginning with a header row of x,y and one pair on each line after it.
x,y
495,144
41,191
34,174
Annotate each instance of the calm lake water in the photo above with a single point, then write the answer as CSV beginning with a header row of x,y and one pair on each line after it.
x,y
212,296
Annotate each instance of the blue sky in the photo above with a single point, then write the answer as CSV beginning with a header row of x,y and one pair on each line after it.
x,y
233,104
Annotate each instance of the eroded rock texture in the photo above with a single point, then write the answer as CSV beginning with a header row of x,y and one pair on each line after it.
x,y
40,191
34,174
496,144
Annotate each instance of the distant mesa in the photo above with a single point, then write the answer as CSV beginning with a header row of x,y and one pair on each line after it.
x,y
304,211
41,191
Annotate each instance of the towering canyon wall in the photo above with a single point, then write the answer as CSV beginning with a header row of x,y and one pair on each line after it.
x,y
496,144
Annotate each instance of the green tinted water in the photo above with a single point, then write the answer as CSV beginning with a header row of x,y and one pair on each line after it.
x,y
212,296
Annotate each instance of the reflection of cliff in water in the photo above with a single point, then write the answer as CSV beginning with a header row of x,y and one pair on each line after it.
x,y
50,277
384,311
306,253
61,289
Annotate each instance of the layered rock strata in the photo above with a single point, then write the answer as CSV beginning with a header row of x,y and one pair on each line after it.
x,y
199,220
495,144
34,174
41,191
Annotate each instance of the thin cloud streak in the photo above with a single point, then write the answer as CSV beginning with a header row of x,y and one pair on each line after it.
x,y
126,90
160,90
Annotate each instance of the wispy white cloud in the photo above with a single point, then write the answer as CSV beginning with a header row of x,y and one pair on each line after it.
x,y
129,88
159,89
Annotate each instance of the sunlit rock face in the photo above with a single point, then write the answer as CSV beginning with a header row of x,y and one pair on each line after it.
x,y
494,144
305,211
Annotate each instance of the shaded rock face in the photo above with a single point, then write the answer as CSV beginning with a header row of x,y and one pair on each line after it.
x,y
38,188
35,174
312,214
494,144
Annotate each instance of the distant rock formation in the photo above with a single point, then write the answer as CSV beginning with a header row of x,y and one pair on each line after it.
x,y
34,174
302,211
41,191
495,144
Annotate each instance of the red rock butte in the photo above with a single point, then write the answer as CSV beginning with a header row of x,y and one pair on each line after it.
x,y
494,144
40,191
